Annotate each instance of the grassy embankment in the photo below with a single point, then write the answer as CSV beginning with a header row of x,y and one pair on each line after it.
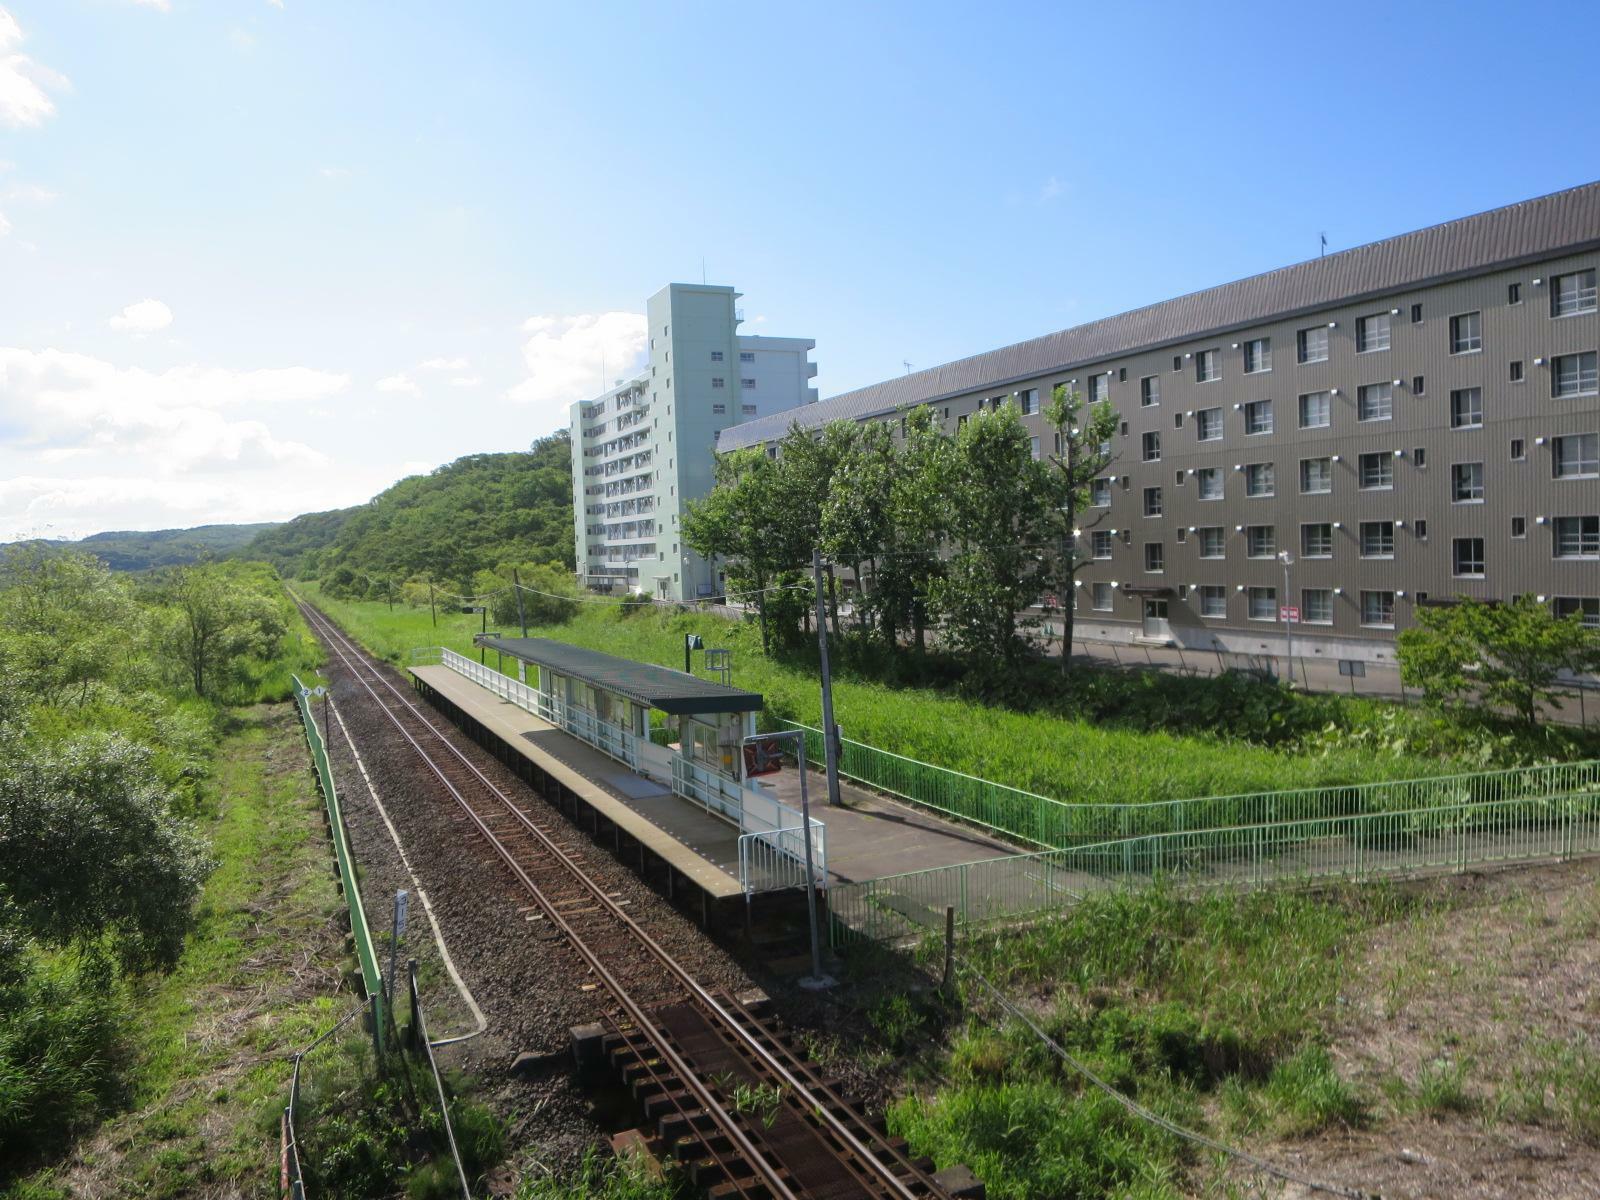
x,y
1055,755
1388,1016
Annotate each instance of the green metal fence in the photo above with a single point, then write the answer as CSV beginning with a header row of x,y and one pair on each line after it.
x,y
1043,821
1439,837
371,976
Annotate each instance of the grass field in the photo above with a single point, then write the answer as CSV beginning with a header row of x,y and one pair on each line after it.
x,y
1071,760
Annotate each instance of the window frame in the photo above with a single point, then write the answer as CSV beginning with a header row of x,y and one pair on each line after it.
x,y
1388,401
1588,459
1253,534
1327,409
1305,542
1593,375
1208,593
1457,559
1326,461
1382,532
1458,394
1202,418
1149,391
1463,495
1253,472
1253,409
1204,535
1201,475
1267,593
1588,544
1160,556
1470,342
1301,341
1262,347
1095,592
1384,459
1385,622
1207,366
1324,596
1364,337
1579,309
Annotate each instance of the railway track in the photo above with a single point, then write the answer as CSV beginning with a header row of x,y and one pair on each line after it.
x,y
728,1093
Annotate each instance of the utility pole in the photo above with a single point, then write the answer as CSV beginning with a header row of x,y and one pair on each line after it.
x,y
432,610
522,617
817,980
1287,560
830,732
389,587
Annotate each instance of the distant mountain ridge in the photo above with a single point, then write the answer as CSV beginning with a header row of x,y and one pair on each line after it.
x,y
142,550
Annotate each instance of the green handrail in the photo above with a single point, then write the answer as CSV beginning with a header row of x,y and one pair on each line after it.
x,y
366,954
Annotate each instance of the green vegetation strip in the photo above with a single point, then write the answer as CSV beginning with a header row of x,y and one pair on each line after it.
x,y
371,976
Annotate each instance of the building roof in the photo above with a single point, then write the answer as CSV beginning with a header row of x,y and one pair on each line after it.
x,y
644,683
1562,222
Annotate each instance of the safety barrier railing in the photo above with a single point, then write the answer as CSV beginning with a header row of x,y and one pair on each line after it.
x,y
753,810
366,955
1044,821
1360,846
775,860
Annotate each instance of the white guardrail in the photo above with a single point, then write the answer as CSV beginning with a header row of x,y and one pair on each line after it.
x,y
771,852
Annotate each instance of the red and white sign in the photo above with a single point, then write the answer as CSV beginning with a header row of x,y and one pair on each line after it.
x,y
1288,612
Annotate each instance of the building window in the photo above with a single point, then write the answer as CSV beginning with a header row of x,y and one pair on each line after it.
x,y
1260,541
1420,528
1150,447
1177,477
1208,425
1466,483
1377,539
1257,355
1177,362
716,356
1100,493
1466,333
1316,475
1375,402
1213,542
1466,408
1372,333
1575,375
1516,370
1155,557
1263,603
1419,385
1577,456
1316,606
1316,540
1258,416
1572,294
1033,448
1585,608
748,410
1518,452
1029,398
719,409
1377,471
1213,600
1209,480
1152,502
1100,543
747,383
1312,344
1316,410
1377,609
1260,480
1466,556
747,356
1207,367
716,381
1577,537
1100,594
1099,387
1416,314
1513,293
1519,527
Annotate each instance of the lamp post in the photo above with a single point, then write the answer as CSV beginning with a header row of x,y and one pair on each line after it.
x,y
816,981
1287,560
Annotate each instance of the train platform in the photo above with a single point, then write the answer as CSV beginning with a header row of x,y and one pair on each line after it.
x,y
868,836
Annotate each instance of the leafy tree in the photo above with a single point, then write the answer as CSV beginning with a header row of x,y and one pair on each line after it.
x,y
1082,452
993,488
89,845
857,514
742,522
549,595
69,622
1510,655
216,621
912,560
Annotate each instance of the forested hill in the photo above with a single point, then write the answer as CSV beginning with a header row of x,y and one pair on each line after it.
x,y
469,515
136,550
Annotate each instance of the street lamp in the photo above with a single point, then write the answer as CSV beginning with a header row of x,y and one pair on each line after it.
x,y
816,981
1287,560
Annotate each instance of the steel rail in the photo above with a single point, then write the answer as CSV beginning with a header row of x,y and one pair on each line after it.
x,y
635,1011
800,1088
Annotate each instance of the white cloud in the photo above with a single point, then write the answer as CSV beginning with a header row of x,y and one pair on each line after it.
x,y
467,381
25,85
564,357
158,5
334,172
5,225
276,3
142,317
53,402
443,364
399,382
29,193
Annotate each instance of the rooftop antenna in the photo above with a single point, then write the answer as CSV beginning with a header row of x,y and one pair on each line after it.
x,y
1324,249
906,365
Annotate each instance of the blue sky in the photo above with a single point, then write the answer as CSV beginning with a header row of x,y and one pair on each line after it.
x,y
259,257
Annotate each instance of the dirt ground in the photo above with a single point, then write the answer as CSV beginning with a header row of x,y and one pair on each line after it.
x,y
1473,1033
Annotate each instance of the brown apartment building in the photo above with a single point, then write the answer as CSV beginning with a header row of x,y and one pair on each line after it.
x,y
1390,426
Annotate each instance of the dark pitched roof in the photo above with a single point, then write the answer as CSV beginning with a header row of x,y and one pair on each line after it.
x,y
658,687
1561,222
